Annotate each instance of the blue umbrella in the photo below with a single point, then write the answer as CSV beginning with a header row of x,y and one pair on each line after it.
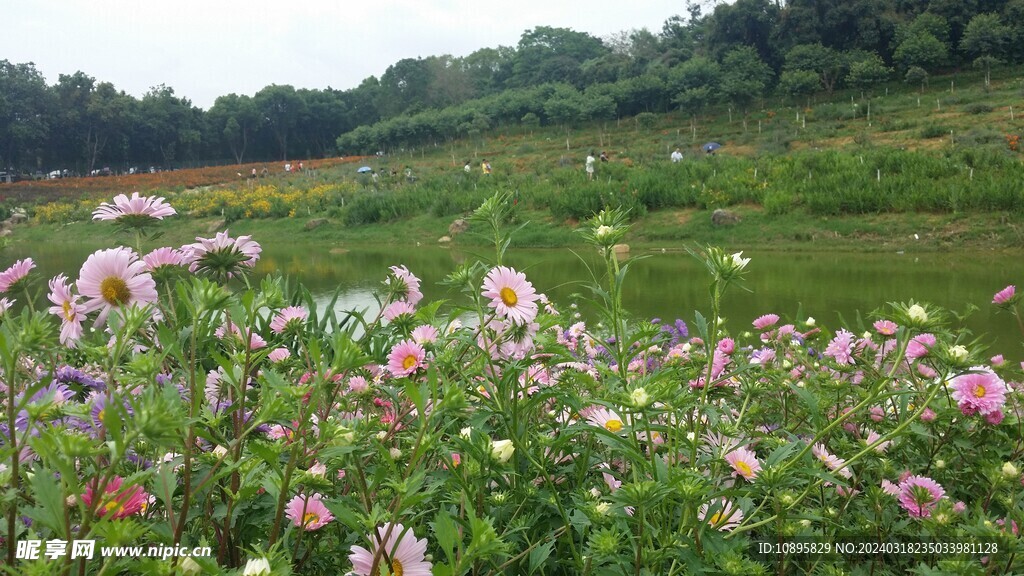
x,y
364,169
711,146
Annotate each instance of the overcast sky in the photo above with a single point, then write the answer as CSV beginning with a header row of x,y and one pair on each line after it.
x,y
209,48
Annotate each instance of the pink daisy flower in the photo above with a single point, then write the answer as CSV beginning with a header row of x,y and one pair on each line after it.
x,y
398,308
165,257
405,284
357,384
402,553
831,461
605,418
981,392
724,516
841,348
115,278
919,495
405,358
512,296
66,306
1005,295
5,305
890,488
230,329
18,271
308,512
886,327
919,345
138,206
766,321
727,345
222,257
279,354
115,502
291,317
744,463
425,334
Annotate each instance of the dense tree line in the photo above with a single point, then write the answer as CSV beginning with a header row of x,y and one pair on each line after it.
x,y
554,76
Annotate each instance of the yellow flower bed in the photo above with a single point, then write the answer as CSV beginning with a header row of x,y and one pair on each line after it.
x,y
267,201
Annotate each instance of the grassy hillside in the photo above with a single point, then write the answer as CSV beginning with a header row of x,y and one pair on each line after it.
x,y
849,168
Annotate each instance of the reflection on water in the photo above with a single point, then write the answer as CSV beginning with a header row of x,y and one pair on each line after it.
x,y
793,285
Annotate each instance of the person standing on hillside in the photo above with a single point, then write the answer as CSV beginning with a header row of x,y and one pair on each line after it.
x,y
467,168
677,156
590,165
485,166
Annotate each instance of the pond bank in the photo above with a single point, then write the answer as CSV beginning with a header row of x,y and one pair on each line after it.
x,y
661,230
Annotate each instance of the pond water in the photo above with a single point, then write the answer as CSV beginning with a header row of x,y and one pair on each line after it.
x,y
827,286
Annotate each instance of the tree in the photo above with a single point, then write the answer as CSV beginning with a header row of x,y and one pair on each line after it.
x,y
321,119
280,107
234,120
744,76
108,118
799,83
166,126
984,39
547,54
403,87
746,23
825,62
917,75
922,50
695,83
868,72
566,106
24,118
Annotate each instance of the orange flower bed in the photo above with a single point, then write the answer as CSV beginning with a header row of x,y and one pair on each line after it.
x,y
41,191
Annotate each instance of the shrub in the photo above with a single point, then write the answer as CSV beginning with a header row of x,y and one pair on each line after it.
x,y
978,108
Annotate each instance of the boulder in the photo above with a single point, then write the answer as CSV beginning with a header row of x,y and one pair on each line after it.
x,y
620,249
18,218
315,223
5,233
458,227
722,217
444,239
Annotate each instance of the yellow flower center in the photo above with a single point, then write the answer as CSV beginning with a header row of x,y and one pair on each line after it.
x,y
613,426
100,416
508,296
115,291
396,568
112,506
310,518
717,518
69,315
409,362
979,391
744,468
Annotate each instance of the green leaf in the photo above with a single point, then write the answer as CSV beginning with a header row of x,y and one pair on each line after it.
x,y
702,325
446,534
539,554
49,507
